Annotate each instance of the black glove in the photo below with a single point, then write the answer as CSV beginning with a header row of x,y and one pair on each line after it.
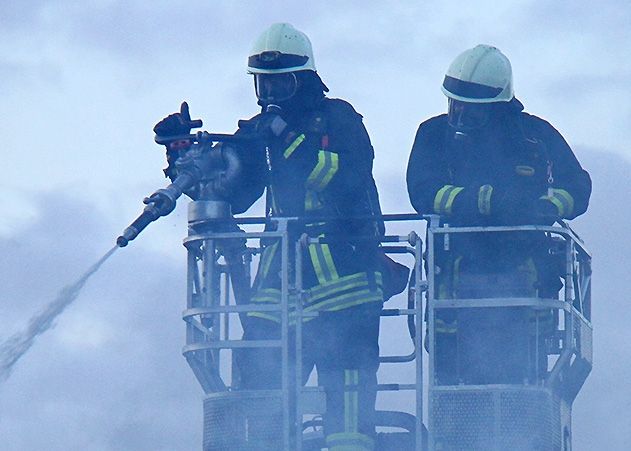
x,y
545,211
271,124
512,206
163,203
175,124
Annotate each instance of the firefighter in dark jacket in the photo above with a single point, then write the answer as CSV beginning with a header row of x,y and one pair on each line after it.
x,y
314,161
488,163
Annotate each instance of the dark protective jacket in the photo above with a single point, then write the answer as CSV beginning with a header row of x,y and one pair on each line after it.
x,y
505,176
321,168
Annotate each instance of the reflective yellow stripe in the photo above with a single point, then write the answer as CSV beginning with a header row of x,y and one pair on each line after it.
x,y
451,198
351,401
293,145
358,299
445,327
352,446
267,295
444,199
322,261
264,315
327,166
355,402
260,299
349,441
348,300
562,200
312,201
484,199
344,283
347,402
528,270
527,171
275,208
455,281
266,259
438,199
355,288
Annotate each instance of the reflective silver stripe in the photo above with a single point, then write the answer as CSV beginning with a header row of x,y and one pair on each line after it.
x,y
484,199
327,166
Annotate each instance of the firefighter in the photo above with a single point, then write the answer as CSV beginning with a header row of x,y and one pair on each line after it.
x,y
314,160
488,163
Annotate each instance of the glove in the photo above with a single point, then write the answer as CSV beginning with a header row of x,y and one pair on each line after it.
x,y
512,206
545,211
175,124
163,203
271,124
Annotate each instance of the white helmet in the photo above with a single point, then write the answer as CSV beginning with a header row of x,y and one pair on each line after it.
x,y
482,74
279,49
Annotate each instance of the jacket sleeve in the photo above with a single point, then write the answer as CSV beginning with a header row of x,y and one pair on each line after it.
x,y
428,179
571,185
349,184
252,181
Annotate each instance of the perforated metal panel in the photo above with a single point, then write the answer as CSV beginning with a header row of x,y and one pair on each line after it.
x,y
528,420
462,420
465,419
585,341
243,421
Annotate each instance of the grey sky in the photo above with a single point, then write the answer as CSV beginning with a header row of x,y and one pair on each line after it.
x,y
81,89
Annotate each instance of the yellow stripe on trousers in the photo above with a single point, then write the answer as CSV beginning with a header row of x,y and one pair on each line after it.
x,y
322,261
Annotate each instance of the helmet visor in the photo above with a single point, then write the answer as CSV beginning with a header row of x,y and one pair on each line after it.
x,y
275,87
466,117
272,59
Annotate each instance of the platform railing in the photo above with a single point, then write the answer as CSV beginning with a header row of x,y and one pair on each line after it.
x,y
212,310
571,342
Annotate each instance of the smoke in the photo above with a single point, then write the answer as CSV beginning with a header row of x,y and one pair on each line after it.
x,y
16,346
110,375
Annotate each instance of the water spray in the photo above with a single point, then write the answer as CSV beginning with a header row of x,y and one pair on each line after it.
x,y
17,345
205,169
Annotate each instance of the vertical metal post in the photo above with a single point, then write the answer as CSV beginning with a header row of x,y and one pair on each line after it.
x,y
191,278
226,301
298,351
210,292
569,268
418,341
430,323
569,316
284,314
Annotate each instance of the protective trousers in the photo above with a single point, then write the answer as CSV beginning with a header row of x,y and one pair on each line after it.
x,y
491,345
343,346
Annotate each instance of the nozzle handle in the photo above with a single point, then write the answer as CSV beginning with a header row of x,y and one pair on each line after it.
x,y
186,116
149,214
